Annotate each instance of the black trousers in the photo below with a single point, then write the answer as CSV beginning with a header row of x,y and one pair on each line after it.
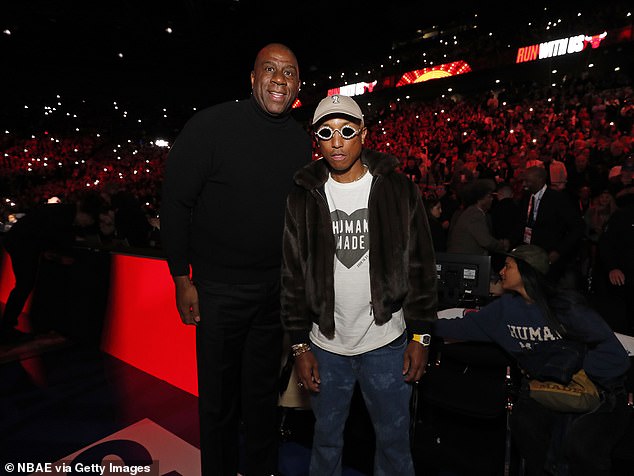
x,y
25,263
239,350
553,443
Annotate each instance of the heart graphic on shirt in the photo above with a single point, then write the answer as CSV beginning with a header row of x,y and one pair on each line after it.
x,y
352,238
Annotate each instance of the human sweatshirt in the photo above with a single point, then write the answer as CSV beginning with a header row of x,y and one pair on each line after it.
x,y
223,198
521,329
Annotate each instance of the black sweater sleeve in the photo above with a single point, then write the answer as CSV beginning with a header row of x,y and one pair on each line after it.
x,y
187,166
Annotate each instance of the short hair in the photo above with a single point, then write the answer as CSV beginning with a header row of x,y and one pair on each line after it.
x,y
538,172
505,190
477,190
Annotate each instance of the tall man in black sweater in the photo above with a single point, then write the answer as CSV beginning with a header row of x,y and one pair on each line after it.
x,y
226,181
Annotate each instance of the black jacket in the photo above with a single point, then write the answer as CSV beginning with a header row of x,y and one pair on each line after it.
x,y
402,259
558,226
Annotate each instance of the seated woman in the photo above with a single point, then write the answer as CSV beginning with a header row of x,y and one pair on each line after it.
x,y
537,323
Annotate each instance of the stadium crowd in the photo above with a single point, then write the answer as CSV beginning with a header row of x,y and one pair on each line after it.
x,y
581,130
577,129
449,141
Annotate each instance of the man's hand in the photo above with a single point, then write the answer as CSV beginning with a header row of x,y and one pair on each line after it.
x,y
307,371
553,257
415,361
617,278
186,300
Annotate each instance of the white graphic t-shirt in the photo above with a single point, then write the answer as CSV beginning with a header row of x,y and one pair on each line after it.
x,y
355,329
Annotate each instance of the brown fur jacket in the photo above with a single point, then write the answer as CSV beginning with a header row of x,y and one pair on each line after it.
x,y
402,259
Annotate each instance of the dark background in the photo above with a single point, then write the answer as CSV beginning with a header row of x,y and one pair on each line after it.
x,y
73,46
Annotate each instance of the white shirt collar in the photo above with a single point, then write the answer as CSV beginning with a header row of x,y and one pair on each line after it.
x,y
538,195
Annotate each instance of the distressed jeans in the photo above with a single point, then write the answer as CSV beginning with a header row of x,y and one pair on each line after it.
x,y
387,398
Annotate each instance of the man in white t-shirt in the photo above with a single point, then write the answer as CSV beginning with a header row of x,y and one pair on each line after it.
x,y
358,288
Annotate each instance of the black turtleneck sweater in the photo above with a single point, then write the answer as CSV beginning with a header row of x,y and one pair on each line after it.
x,y
224,192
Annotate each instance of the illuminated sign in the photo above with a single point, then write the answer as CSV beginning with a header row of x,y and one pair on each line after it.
x,y
434,72
564,46
355,89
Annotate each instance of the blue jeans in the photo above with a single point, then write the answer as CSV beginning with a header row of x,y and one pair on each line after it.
x,y
387,398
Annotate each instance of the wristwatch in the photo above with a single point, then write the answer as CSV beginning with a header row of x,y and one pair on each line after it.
x,y
423,339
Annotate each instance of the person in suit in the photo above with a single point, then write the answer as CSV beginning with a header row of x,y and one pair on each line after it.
x,y
551,223
470,231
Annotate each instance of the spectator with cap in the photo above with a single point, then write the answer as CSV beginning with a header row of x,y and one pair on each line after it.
x,y
358,288
539,324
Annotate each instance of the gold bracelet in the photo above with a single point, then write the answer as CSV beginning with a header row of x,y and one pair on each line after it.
x,y
299,349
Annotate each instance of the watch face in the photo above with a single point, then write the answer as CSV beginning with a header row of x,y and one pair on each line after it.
x,y
426,339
